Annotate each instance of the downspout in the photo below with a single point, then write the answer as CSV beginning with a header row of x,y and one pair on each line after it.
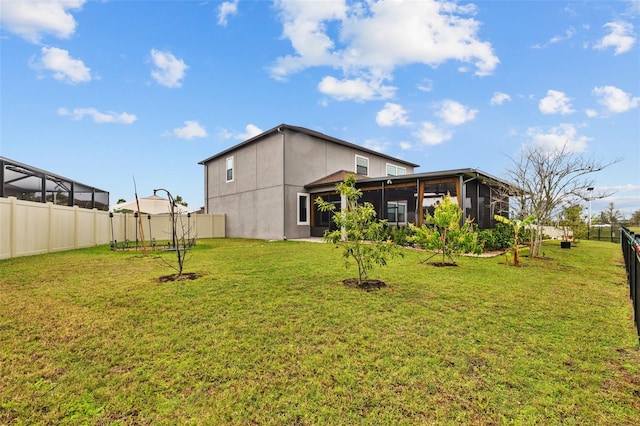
x,y
2,165
206,188
284,188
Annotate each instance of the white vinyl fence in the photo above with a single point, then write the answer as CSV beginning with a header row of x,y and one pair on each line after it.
x,y
28,228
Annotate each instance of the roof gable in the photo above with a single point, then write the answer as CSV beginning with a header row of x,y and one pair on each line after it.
x,y
309,132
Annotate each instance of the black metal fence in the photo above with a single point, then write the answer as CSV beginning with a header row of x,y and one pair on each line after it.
x,y
611,233
631,251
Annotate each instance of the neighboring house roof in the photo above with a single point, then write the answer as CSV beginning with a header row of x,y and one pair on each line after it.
x,y
310,133
24,172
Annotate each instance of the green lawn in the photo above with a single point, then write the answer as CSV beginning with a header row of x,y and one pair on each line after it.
x,y
269,335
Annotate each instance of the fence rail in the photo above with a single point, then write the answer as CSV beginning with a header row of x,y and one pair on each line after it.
x,y
631,251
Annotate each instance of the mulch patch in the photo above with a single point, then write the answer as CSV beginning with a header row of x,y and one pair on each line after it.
x,y
443,264
175,277
366,285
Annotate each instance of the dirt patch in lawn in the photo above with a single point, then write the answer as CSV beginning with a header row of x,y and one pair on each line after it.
x,y
175,277
366,285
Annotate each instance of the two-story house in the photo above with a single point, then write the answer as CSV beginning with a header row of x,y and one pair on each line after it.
x,y
266,185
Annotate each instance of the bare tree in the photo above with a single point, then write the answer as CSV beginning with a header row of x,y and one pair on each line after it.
x,y
180,235
544,180
611,215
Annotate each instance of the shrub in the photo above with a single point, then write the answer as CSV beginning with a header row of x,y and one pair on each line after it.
x,y
487,240
400,235
362,237
442,232
504,235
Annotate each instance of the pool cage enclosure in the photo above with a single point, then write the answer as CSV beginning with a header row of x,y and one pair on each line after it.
x,y
32,184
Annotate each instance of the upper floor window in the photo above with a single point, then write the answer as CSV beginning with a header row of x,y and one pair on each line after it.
x,y
393,170
362,165
229,169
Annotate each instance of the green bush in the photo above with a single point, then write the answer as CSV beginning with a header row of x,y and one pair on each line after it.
x,y
504,235
400,235
487,240
500,237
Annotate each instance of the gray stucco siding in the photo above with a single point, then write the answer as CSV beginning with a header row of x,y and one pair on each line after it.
x,y
309,159
253,214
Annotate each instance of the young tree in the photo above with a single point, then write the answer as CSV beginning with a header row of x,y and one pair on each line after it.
x,y
361,236
544,180
571,218
442,232
179,236
517,225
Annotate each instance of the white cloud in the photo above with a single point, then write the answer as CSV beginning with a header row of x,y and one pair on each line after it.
x,y
591,113
190,130
618,188
169,70
64,67
499,98
372,38
392,115
226,9
555,103
406,145
98,117
615,100
567,35
454,113
358,89
250,131
32,19
426,85
633,7
621,37
430,134
557,137
224,134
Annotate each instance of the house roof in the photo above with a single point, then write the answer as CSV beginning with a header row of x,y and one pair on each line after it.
x,y
309,132
333,178
467,173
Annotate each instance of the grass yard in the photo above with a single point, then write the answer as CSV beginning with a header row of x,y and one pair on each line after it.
x,y
269,335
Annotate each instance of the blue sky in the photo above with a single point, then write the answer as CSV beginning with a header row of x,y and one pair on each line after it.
x,y
102,91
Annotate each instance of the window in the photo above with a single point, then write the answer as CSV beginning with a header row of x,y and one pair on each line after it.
x,y
303,209
229,169
362,165
395,170
397,212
